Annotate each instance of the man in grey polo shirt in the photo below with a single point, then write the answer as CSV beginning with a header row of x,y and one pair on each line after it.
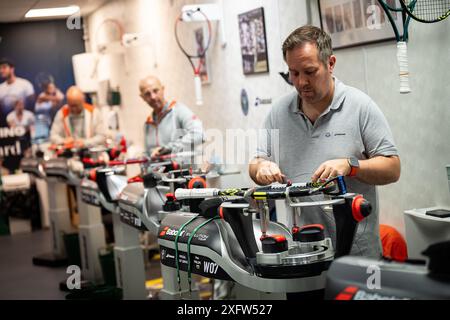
x,y
325,129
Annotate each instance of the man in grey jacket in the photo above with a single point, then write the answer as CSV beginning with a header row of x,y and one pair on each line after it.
x,y
172,127
325,129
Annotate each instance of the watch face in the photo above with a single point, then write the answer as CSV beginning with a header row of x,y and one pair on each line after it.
x,y
354,162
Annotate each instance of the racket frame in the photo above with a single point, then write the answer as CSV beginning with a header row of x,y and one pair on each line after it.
x,y
199,56
409,9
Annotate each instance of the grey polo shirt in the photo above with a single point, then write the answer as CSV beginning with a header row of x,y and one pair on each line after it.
x,y
352,125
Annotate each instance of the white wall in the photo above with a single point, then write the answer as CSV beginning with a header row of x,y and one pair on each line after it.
x,y
420,121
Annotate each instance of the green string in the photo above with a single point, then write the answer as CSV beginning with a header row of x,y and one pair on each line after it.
x,y
189,247
176,250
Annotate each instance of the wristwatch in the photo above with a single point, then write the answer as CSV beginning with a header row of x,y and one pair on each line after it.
x,y
354,166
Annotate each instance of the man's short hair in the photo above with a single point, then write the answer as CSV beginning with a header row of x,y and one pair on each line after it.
x,y
309,34
7,62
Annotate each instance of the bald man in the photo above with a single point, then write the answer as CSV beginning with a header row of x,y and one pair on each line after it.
x,y
77,123
172,127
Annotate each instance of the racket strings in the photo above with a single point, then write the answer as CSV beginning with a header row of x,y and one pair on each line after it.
x,y
201,54
103,36
429,10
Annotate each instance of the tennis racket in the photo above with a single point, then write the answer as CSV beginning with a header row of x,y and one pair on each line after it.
x,y
199,56
111,30
402,52
427,11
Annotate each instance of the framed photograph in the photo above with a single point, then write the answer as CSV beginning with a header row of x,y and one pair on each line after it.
x,y
356,22
252,33
200,43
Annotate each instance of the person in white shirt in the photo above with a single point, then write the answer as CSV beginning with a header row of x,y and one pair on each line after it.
x,y
21,117
13,86
78,123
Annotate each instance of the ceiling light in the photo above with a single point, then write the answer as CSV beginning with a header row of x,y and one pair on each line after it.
x,y
52,12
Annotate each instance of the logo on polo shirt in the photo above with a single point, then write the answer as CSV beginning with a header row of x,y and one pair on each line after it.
x,y
335,134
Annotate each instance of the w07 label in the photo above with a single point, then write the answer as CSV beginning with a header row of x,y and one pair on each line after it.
x,y
210,267
199,264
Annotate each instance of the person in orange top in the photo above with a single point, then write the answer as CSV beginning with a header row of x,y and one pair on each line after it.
x,y
77,123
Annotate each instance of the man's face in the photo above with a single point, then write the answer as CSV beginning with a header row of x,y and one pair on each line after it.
x,y
310,76
5,71
153,93
75,105
50,89
19,106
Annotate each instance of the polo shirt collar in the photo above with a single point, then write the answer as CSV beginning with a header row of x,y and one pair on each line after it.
x,y
339,94
336,103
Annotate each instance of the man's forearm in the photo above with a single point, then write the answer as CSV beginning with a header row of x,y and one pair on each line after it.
x,y
41,99
56,139
97,140
189,139
379,170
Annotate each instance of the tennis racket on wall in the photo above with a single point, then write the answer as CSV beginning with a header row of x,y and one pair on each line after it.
x,y
109,31
108,37
392,12
195,59
427,11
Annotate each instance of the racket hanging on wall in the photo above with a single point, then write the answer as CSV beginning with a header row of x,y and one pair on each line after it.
x,y
197,59
110,31
402,52
427,11
108,38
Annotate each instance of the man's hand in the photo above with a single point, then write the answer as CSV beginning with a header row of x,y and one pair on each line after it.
x,y
206,166
78,144
331,168
68,143
268,172
68,140
155,152
160,151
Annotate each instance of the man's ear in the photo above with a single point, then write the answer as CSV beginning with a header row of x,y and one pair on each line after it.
x,y
331,63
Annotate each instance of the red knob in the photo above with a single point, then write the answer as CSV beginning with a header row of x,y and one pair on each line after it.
x,y
170,196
